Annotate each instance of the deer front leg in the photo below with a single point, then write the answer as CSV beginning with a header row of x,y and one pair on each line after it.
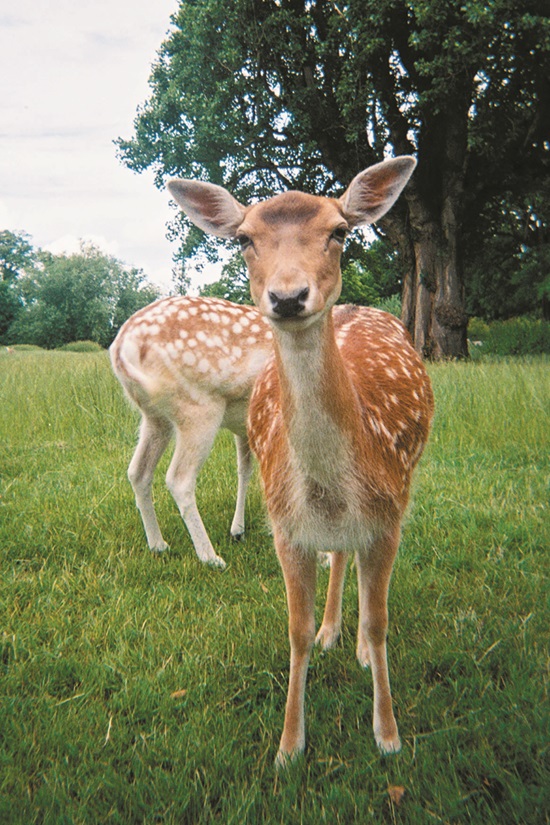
x,y
299,572
374,569
332,618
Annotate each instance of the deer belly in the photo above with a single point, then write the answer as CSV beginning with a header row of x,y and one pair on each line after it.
x,y
321,518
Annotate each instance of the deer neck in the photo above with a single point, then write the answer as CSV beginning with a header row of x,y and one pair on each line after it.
x,y
319,405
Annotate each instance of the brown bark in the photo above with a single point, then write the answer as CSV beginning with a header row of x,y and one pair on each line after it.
x,y
433,293
426,230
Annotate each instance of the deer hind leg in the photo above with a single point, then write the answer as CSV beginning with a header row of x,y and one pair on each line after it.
x,y
329,631
299,572
244,471
155,434
374,568
194,440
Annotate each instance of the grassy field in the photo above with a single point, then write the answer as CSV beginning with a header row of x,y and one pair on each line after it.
x,y
145,689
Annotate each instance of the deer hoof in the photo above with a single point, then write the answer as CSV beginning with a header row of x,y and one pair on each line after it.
x,y
216,561
327,637
388,744
160,547
284,760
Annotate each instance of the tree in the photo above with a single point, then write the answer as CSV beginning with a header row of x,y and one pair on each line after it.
x,y
233,285
17,256
263,95
516,249
86,296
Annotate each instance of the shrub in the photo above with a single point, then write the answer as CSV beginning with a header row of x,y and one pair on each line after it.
x,y
81,346
516,336
392,304
26,347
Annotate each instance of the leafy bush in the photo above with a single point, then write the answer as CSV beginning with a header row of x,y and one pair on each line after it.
x,y
81,346
391,305
516,336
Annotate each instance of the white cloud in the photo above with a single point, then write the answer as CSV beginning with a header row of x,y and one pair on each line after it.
x,y
72,77
71,245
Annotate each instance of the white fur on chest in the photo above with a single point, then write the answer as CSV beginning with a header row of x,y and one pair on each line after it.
x,y
323,497
327,520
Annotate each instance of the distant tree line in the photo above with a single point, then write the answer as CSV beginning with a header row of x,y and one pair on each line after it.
x,y
50,300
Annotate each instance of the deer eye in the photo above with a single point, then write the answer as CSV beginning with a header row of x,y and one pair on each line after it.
x,y
244,241
339,234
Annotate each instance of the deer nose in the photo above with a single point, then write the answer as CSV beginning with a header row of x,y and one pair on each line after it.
x,y
289,304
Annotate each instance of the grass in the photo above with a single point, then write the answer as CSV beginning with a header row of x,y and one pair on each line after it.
x,y
139,689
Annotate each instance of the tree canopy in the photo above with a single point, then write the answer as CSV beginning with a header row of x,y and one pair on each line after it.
x,y
16,257
264,95
51,300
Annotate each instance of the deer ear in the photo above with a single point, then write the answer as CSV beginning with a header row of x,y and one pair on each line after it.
x,y
373,191
210,207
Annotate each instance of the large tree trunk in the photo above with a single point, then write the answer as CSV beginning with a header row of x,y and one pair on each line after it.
x,y
427,231
433,291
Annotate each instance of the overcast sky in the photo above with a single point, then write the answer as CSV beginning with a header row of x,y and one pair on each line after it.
x,y
71,78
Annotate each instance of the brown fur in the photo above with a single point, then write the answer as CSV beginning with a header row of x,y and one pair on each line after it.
x,y
338,419
189,364
385,459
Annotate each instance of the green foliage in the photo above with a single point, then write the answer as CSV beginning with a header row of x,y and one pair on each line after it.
x,y
515,336
144,688
17,257
180,280
26,348
358,286
85,296
233,285
391,305
81,346
370,274
264,95
10,305
508,268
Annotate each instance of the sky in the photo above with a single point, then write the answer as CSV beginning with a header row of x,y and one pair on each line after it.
x,y
72,77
